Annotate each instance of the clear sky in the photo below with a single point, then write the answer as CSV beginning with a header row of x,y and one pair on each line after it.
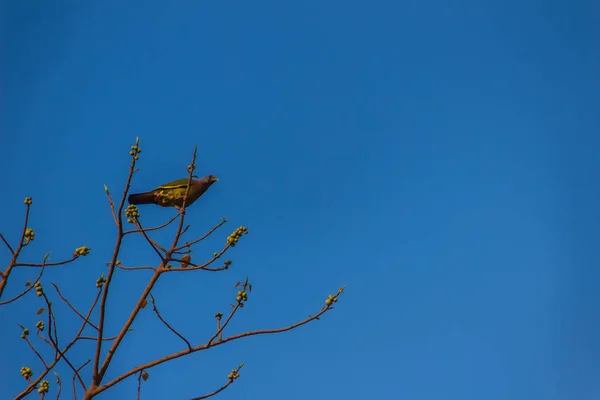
x,y
437,157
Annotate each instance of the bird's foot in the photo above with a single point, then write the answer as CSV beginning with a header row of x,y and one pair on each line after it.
x,y
181,210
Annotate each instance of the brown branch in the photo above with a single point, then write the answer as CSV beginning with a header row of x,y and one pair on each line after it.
x,y
54,341
111,204
155,246
52,264
59,383
75,374
181,353
100,371
135,268
97,375
7,244
139,389
15,253
34,349
34,383
73,307
191,169
214,228
31,286
219,390
140,230
167,324
195,267
95,338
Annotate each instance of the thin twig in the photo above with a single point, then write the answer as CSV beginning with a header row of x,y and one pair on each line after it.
x,y
34,350
111,204
7,244
31,286
95,338
97,374
59,383
99,371
155,246
195,267
52,264
73,307
33,383
75,374
135,268
182,353
15,253
214,228
140,230
167,324
219,390
139,389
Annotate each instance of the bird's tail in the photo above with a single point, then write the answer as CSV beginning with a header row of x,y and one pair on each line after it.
x,y
141,198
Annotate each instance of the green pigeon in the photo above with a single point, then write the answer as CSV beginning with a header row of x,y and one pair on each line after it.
x,y
172,193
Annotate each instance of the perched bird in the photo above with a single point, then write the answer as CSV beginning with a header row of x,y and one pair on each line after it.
x,y
172,193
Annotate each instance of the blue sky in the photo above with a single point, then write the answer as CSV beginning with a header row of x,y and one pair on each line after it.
x,y
439,158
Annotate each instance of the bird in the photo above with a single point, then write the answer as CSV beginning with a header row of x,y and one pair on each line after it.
x,y
171,194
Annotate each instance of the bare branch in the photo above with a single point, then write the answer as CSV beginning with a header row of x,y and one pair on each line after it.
x,y
7,244
31,286
155,246
181,353
140,230
73,307
52,264
16,252
100,371
214,228
59,384
111,204
120,266
75,375
97,375
225,386
34,383
167,324
195,267
95,338
33,348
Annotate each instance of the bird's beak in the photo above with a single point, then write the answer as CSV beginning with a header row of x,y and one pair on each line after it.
x,y
215,179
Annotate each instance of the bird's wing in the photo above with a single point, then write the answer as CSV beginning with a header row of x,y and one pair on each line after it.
x,y
178,184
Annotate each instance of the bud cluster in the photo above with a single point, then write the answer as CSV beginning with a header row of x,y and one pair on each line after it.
x,y
44,386
233,375
29,234
81,251
236,235
39,290
131,212
135,150
26,372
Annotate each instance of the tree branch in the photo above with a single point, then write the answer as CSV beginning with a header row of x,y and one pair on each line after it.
x,y
97,375
16,252
167,324
7,244
141,230
31,286
214,228
225,386
181,353
73,307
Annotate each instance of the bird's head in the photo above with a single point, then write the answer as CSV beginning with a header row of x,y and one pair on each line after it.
x,y
212,178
